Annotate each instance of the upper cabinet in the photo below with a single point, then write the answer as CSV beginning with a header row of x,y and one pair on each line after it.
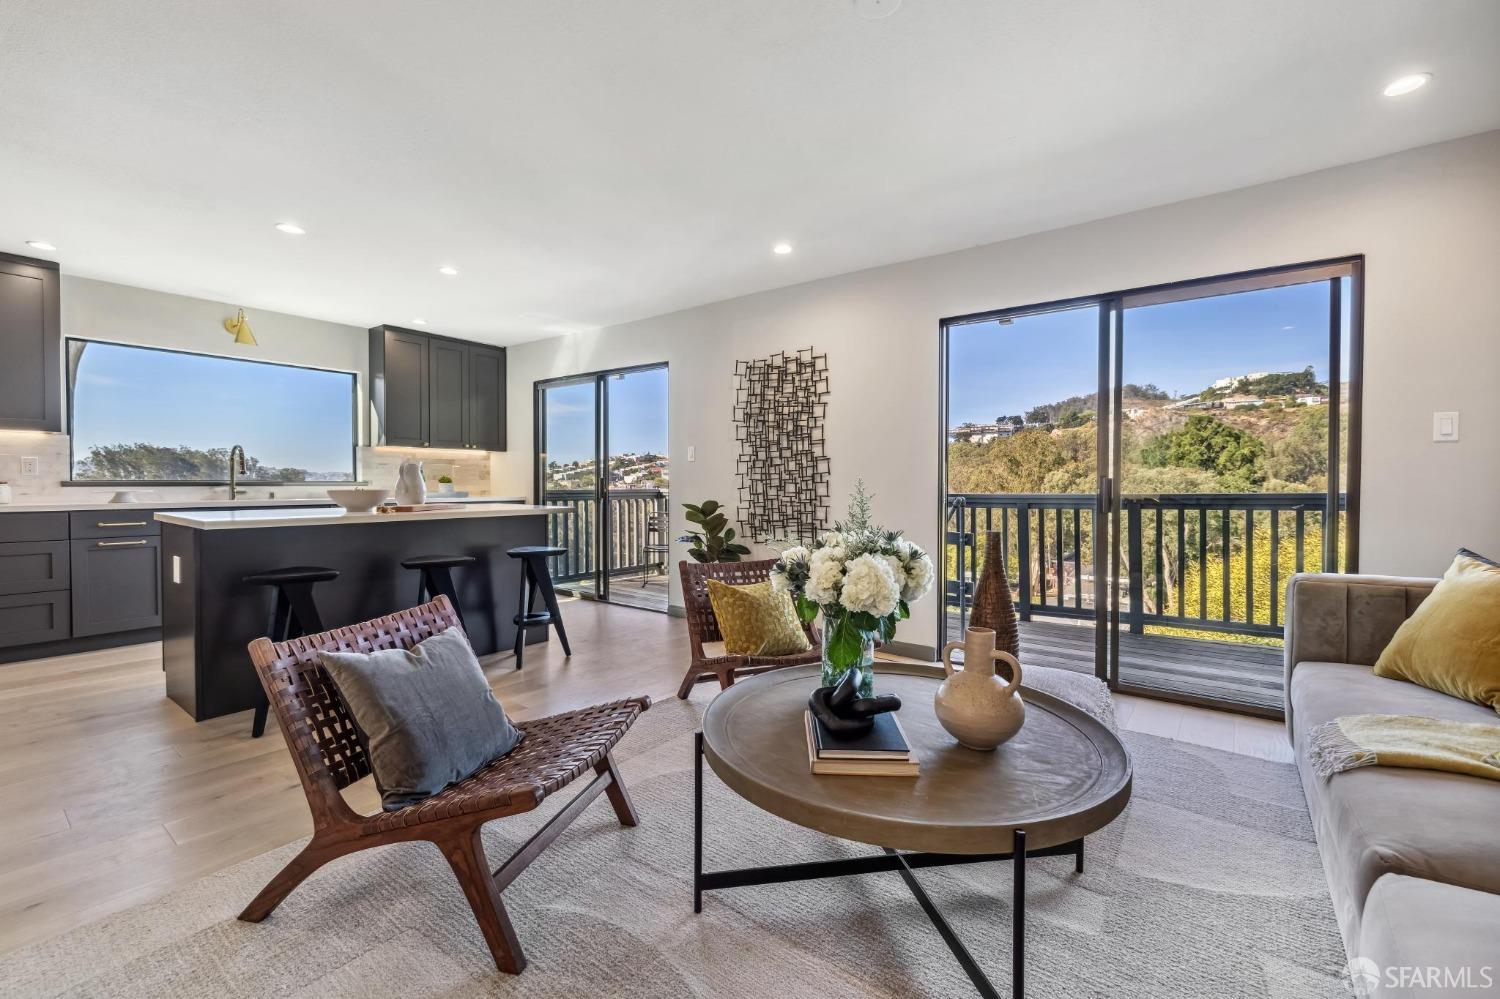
x,y
30,342
433,391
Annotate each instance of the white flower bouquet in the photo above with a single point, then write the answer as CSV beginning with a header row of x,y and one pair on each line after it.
x,y
863,578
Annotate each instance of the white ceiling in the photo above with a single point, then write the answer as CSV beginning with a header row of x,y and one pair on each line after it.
x,y
585,163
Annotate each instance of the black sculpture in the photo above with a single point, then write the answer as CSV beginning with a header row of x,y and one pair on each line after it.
x,y
843,712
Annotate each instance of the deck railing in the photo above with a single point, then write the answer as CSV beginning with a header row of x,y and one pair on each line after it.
x,y
575,529
1212,562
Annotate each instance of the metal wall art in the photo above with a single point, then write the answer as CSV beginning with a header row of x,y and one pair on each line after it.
x,y
780,403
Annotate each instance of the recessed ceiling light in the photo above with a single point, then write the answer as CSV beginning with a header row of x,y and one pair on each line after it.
x,y
419,322
1406,84
37,244
782,248
291,229
449,270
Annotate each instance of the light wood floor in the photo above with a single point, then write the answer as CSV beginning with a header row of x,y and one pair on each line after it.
x,y
113,796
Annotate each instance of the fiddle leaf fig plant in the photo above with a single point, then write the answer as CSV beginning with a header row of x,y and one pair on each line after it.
x,y
714,541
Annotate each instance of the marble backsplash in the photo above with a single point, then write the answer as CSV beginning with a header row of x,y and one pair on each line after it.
x,y
377,466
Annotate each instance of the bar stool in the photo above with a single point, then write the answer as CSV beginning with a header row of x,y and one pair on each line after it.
x,y
437,578
293,614
537,578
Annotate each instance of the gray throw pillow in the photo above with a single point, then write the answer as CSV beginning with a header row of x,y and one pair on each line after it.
x,y
428,715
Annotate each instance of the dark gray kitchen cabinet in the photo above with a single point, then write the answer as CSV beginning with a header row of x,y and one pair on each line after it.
x,y
434,391
29,618
448,386
33,566
486,398
30,342
116,585
399,388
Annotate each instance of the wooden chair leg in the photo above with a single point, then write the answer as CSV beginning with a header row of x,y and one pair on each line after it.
x,y
688,681
618,796
465,853
293,874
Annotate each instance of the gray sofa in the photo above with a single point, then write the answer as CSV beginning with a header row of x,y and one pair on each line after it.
x,y
1412,856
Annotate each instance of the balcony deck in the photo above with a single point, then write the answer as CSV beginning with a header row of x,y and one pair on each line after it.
x,y
647,591
1246,676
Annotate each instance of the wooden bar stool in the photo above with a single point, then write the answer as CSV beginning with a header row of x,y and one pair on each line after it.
x,y
294,613
536,578
437,578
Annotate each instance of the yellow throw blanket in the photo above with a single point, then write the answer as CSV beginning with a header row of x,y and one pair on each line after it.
x,y
1405,741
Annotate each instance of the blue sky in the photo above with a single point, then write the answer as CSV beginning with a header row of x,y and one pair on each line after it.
x,y
285,416
1182,347
637,416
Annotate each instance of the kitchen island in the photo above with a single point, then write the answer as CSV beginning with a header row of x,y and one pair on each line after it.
x,y
209,614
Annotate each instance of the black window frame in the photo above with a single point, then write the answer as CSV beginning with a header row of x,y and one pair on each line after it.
x,y
69,387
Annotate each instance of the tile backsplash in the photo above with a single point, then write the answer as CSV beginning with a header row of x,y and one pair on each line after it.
x,y
470,473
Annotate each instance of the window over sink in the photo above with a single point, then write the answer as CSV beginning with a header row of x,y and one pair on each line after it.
x,y
149,415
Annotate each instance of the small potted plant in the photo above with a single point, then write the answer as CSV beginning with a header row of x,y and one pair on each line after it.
x,y
445,483
715,541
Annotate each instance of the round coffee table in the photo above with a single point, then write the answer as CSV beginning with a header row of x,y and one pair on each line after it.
x,y
1063,776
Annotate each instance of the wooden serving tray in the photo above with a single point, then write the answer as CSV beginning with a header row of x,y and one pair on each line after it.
x,y
420,507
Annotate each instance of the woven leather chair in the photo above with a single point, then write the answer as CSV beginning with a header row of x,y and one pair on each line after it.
x,y
703,627
329,754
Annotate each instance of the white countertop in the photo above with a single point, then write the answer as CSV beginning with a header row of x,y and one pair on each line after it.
x,y
232,520
247,503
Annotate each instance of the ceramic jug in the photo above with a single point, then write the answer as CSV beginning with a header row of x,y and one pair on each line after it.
x,y
978,708
411,488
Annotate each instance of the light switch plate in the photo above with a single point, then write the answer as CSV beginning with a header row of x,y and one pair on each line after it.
x,y
692,453
31,466
1445,428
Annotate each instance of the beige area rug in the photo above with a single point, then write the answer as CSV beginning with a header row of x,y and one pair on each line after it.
x,y
1208,885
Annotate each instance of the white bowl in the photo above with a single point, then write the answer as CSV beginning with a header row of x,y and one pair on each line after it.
x,y
358,500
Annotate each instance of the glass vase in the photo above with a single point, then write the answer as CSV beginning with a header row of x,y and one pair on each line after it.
x,y
833,671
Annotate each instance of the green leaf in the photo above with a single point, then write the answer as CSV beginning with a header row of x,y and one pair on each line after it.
x,y
729,534
864,620
845,643
710,506
887,628
807,610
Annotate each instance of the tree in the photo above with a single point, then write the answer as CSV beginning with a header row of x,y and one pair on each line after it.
x,y
1302,456
156,462
1212,445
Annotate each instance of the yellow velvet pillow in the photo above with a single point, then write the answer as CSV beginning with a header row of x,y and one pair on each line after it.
x,y
755,620
1451,643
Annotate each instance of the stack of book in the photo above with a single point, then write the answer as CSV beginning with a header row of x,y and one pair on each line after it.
x,y
881,752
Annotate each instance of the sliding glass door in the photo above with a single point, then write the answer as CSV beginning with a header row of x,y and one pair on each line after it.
x,y
601,446
1152,517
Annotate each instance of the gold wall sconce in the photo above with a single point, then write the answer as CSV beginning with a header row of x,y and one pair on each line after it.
x,y
239,327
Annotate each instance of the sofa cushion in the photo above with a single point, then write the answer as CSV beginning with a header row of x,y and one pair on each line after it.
x,y
1429,939
1452,642
1383,820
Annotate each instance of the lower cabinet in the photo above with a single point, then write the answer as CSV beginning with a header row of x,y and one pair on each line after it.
x,y
28,618
116,585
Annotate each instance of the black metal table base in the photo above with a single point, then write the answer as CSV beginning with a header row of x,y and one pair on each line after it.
x,y
905,864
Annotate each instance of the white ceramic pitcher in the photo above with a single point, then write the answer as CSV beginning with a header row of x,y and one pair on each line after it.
x,y
411,488
978,708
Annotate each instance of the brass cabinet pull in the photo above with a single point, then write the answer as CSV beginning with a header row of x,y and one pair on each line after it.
x,y
120,523
122,544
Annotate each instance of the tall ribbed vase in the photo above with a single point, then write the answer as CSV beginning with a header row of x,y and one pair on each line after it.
x,y
994,607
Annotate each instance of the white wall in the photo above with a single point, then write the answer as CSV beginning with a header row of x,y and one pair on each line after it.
x,y
100,310
1427,220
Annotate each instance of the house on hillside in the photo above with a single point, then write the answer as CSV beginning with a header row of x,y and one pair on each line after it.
x,y
980,433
